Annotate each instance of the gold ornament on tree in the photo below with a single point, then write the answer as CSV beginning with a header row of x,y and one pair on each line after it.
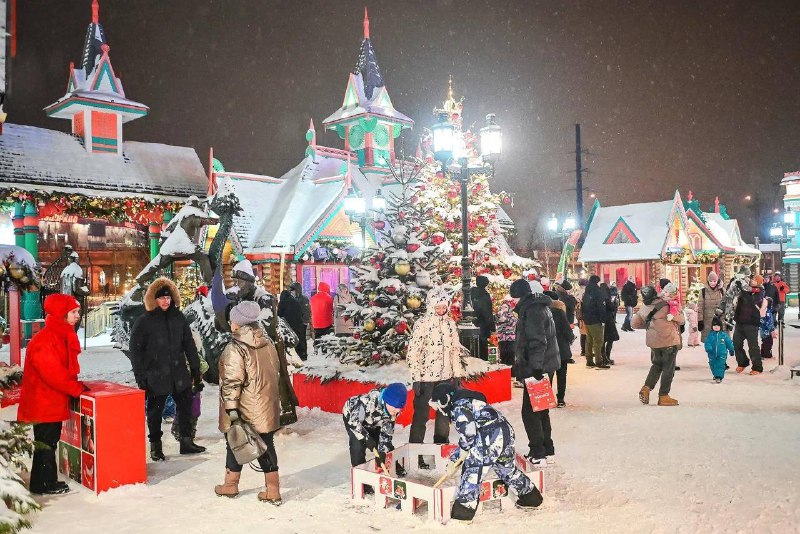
x,y
402,267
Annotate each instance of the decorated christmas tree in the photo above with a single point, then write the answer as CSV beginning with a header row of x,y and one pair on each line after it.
x,y
438,196
391,281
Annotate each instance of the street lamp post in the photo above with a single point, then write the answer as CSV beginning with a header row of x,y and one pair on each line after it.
x,y
448,147
355,207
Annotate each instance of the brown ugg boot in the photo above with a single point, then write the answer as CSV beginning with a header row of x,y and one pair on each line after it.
x,y
272,493
644,395
230,488
666,400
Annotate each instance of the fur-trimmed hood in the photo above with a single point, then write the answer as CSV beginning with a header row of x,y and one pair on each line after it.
x,y
150,303
558,305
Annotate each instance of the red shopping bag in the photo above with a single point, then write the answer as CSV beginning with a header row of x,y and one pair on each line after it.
x,y
541,394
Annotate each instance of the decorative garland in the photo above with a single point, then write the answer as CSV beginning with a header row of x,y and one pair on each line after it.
x,y
119,209
707,257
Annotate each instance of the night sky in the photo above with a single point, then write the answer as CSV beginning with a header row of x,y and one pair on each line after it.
x,y
688,95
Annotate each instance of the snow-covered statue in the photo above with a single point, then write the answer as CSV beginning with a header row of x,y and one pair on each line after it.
x,y
740,281
179,241
73,281
245,288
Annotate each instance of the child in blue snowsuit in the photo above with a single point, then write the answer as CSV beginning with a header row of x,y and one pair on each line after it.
x,y
487,440
718,346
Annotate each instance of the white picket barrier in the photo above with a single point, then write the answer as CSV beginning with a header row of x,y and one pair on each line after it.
x,y
412,490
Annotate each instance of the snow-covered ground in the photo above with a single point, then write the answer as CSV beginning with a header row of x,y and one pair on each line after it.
x,y
725,460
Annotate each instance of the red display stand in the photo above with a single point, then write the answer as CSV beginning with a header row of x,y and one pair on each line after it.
x,y
331,396
103,442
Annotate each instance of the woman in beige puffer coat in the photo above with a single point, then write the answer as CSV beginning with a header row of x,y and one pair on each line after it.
x,y
249,377
709,301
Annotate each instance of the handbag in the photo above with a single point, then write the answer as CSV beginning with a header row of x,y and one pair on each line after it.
x,y
540,393
245,442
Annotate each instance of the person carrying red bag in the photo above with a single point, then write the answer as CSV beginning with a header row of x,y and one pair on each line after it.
x,y
50,380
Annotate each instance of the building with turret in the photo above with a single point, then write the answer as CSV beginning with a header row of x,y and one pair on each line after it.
x,y
295,227
88,186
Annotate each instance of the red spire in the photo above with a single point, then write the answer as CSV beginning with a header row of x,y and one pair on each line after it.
x,y
95,12
366,24
690,197
716,205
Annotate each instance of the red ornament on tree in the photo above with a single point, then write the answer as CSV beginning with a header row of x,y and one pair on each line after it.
x,y
531,276
381,323
401,327
457,271
391,290
437,238
356,335
493,249
506,200
412,247
507,273
376,356
379,225
423,236
452,193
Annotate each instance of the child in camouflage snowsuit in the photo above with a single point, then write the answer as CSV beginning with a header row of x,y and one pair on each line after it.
x,y
369,420
487,439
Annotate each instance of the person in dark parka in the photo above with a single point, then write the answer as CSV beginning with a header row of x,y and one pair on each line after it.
x,y
565,337
292,312
629,299
165,362
610,334
593,309
484,316
537,354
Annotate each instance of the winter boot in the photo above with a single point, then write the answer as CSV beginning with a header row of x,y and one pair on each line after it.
x,y
589,362
156,454
644,395
461,512
531,499
176,431
666,400
188,446
272,493
230,488
602,364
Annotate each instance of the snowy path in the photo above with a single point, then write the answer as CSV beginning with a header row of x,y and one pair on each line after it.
x,y
724,461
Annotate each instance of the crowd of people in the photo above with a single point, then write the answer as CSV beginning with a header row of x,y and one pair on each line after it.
x,y
535,330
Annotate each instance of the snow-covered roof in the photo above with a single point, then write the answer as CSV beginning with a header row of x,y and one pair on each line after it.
x,y
33,157
288,211
648,222
726,231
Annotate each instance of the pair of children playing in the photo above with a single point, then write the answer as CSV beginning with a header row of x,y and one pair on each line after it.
x,y
485,439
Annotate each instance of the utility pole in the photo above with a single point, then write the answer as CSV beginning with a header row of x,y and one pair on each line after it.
x,y
578,177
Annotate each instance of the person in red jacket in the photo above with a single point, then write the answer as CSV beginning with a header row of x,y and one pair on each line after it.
x,y
322,311
50,380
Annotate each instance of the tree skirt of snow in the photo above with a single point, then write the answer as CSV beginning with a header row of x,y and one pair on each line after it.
x,y
725,460
327,369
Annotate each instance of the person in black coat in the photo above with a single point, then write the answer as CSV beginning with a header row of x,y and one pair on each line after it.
x,y
165,362
610,334
565,337
563,287
292,312
484,316
629,300
593,308
748,319
536,354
